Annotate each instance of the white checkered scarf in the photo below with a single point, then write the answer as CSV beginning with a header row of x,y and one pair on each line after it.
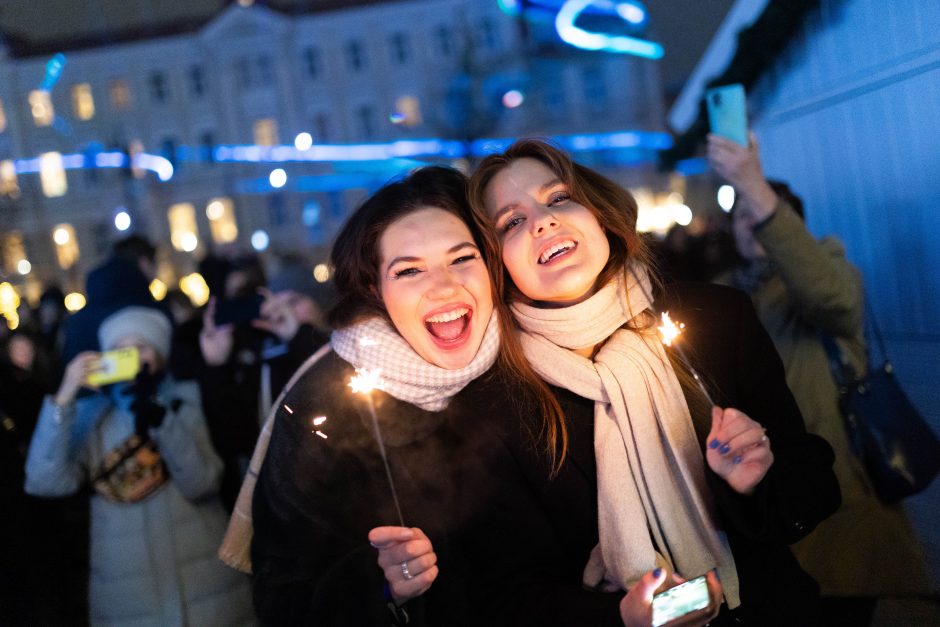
x,y
654,505
376,345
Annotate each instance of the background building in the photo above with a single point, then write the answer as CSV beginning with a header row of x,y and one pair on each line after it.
x,y
206,112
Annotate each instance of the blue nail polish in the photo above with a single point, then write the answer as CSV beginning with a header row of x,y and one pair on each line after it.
x,y
657,572
736,460
724,448
714,443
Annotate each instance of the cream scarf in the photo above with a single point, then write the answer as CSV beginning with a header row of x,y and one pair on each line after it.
x,y
373,345
654,505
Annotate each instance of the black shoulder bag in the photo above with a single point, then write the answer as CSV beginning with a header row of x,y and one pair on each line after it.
x,y
898,449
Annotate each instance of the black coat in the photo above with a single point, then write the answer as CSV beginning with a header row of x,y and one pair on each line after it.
x,y
529,539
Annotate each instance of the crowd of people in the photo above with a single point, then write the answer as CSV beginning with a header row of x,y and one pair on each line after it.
x,y
531,452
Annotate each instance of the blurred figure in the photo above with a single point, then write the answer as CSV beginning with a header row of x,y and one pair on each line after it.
x,y
294,313
143,448
803,288
230,379
50,320
122,280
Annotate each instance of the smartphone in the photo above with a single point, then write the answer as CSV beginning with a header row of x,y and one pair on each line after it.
x,y
240,309
727,112
678,601
122,364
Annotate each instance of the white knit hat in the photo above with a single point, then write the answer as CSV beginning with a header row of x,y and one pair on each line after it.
x,y
145,323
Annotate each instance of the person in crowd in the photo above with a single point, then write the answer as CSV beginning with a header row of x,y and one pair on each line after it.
x,y
802,289
122,280
682,485
143,448
51,318
293,312
230,373
416,307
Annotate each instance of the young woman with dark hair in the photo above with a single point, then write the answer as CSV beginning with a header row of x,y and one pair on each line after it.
x,y
681,486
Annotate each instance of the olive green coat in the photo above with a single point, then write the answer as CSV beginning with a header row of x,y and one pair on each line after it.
x,y
865,548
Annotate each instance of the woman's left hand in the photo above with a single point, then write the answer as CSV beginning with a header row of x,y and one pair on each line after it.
x,y
407,558
738,449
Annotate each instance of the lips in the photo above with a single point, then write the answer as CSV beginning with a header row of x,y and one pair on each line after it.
x,y
557,249
450,326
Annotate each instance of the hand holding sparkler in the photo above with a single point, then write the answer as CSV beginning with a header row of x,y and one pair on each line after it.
x,y
738,448
407,558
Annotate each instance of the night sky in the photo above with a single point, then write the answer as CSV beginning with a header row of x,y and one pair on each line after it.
x,y
684,27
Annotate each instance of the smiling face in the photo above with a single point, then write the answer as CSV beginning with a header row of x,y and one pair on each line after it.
x,y
553,248
435,286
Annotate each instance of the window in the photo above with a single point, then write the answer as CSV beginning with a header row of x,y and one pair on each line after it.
x,y
312,61
40,104
83,104
366,118
355,55
9,186
321,125
222,224
66,245
168,150
197,81
3,118
243,72
595,89
183,232
120,94
52,175
445,40
265,69
488,35
158,87
409,108
265,132
400,48
207,146
14,251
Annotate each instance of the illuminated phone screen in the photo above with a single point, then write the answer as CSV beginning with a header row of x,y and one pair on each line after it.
x,y
680,600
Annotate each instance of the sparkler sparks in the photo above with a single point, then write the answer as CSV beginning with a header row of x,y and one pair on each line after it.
x,y
670,331
364,382
319,420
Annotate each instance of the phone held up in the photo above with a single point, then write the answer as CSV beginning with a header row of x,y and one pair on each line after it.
x,y
727,112
689,600
242,309
121,364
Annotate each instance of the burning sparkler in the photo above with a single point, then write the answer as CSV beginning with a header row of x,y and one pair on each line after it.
x,y
363,383
670,332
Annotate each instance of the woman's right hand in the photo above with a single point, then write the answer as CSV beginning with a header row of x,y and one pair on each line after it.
x,y
76,376
636,608
407,558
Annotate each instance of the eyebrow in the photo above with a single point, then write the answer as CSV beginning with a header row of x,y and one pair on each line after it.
x,y
544,187
450,251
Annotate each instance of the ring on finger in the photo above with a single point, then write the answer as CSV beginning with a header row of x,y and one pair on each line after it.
x,y
404,571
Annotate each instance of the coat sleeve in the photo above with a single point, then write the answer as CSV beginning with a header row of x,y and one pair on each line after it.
x,y
826,290
55,464
184,444
311,559
800,489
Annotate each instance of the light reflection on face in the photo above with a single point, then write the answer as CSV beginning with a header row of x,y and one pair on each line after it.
x,y
553,247
435,286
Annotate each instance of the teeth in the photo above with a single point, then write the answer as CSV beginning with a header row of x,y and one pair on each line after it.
x,y
554,249
450,315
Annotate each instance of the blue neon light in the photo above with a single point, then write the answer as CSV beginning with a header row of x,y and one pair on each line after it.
x,y
54,68
152,163
587,40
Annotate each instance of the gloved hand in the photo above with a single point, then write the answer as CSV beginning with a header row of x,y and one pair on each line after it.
x,y
148,413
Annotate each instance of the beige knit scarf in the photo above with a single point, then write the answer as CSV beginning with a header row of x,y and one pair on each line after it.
x,y
654,505
373,344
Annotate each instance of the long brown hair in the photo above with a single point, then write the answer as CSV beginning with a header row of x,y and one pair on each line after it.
x,y
616,211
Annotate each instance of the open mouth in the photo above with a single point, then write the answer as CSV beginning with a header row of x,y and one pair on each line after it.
x,y
449,326
557,250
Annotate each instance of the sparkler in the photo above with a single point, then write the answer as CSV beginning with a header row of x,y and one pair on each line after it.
x,y
670,331
363,383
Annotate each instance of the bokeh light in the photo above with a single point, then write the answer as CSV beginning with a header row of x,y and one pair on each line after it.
x,y
122,221
277,178
260,240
